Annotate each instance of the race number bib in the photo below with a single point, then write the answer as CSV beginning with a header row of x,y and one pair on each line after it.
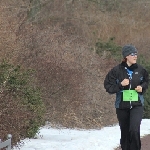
x,y
130,95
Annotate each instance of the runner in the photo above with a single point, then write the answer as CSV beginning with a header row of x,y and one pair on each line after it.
x,y
128,81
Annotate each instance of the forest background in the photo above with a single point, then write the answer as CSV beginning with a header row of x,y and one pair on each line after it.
x,y
54,57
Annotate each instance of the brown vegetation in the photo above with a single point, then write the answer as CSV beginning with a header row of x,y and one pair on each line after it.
x,y
57,39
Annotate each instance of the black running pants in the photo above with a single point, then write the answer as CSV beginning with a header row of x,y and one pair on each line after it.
x,y
129,122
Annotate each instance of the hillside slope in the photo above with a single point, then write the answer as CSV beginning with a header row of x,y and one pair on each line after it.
x,y
57,39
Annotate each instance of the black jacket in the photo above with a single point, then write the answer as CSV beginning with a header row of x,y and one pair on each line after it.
x,y
115,76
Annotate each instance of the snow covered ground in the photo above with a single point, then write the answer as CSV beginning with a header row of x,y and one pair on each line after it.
x,y
68,139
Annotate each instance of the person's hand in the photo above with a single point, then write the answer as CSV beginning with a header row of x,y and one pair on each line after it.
x,y
138,88
125,82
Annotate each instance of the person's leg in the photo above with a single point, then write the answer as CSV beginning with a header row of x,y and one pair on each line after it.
x,y
136,114
123,116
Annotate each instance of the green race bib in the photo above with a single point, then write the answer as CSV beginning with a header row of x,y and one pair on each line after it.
x,y
130,95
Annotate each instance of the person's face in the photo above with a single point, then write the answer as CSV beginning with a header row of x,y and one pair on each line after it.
x,y
131,59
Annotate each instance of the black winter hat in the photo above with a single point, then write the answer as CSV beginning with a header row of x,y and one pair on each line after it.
x,y
127,50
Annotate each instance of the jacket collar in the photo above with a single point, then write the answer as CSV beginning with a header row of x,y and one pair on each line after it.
x,y
132,67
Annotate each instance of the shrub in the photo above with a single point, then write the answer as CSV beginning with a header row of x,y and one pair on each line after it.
x,y
114,5
34,9
146,65
109,47
22,109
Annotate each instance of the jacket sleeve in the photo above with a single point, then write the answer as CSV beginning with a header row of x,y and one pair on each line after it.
x,y
111,82
145,81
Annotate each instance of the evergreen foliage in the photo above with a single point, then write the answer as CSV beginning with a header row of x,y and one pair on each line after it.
x,y
34,9
146,64
20,101
109,47
108,5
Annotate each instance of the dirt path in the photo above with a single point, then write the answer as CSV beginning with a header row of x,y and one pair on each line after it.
x,y
145,141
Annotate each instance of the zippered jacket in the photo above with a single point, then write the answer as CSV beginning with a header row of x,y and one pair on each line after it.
x,y
136,74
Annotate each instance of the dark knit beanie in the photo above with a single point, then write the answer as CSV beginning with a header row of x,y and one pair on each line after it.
x,y
127,50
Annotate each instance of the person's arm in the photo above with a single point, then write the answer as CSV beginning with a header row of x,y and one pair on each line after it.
x,y
111,83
